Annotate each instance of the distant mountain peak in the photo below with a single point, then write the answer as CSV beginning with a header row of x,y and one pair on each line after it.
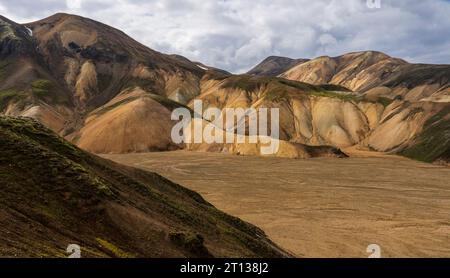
x,y
275,65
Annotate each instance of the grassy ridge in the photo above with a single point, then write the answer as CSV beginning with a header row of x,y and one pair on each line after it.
x,y
279,89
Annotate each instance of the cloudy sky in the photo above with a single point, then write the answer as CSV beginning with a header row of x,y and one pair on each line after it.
x,y
237,34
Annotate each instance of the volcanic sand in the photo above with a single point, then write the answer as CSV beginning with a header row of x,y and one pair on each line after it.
x,y
324,207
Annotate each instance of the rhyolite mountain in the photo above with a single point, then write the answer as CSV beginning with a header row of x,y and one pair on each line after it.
x,y
62,69
390,105
368,72
53,194
331,115
107,93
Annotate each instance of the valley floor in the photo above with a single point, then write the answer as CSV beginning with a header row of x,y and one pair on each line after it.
x,y
322,207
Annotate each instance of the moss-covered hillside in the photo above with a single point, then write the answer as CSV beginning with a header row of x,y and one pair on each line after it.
x,y
53,194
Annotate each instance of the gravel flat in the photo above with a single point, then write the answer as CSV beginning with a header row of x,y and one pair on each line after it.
x,y
324,207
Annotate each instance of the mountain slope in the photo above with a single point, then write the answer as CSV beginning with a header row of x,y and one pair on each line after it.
x,y
433,144
403,107
375,73
331,115
129,116
308,113
77,47
53,194
62,68
275,65
27,87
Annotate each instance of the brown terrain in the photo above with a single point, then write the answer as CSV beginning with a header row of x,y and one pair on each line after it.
x,y
106,93
323,207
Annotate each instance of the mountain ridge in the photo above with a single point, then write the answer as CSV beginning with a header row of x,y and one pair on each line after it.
x,y
371,72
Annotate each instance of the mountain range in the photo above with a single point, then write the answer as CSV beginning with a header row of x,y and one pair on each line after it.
x,y
107,93
98,88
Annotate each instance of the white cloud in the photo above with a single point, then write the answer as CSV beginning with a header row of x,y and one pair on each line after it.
x,y
236,35
73,4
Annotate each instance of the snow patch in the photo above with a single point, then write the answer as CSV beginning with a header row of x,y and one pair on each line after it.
x,y
30,32
203,68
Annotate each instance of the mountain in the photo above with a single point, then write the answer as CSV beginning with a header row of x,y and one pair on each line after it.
x,y
64,69
275,65
53,194
396,106
332,115
78,48
375,73
103,90
27,86
107,93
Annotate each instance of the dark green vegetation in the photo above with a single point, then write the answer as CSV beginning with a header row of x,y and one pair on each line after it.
x,y
7,95
192,242
3,69
279,89
41,87
246,82
53,194
385,101
413,75
433,144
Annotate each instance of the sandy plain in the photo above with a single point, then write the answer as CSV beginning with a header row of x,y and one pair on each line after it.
x,y
324,207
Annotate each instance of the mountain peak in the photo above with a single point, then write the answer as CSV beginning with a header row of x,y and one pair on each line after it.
x,y
275,65
60,16
14,38
366,54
